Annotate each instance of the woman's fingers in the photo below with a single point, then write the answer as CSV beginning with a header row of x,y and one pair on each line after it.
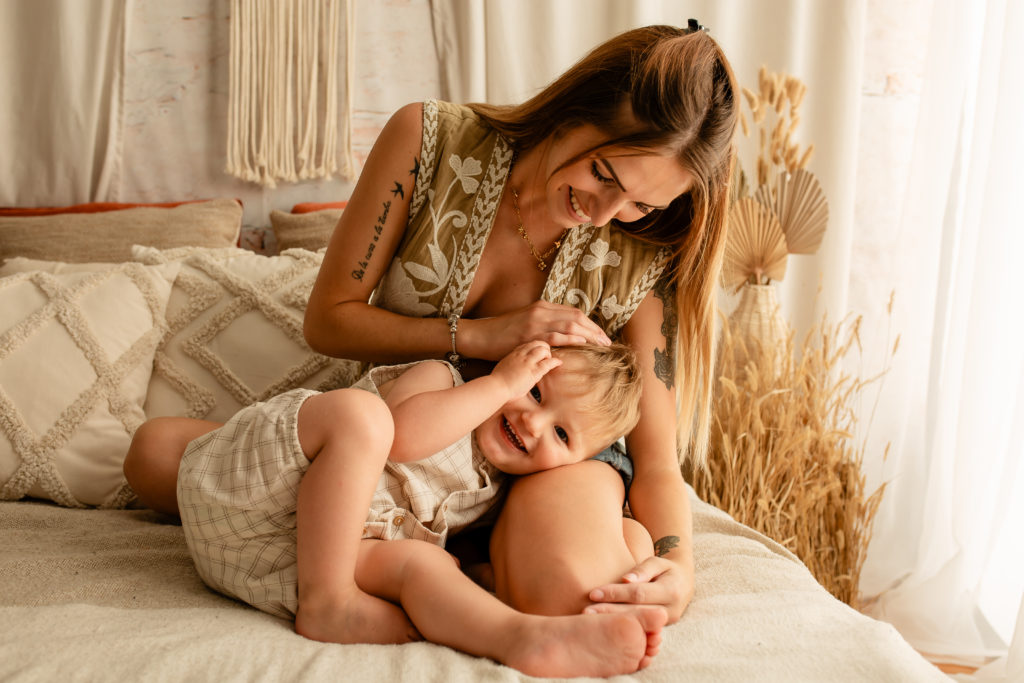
x,y
558,339
647,593
556,324
655,581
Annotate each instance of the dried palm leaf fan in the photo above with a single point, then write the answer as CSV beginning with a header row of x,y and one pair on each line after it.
x,y
801,207
755,250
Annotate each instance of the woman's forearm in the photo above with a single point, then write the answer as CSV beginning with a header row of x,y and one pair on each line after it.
x,y
363,332
661,503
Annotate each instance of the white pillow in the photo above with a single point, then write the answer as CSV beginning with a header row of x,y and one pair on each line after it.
x,y
235,320
76,355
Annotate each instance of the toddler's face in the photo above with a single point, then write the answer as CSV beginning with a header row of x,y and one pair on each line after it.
x,y
546,428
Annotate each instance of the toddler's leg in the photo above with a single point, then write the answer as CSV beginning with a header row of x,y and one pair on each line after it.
x,y
638,539
448,608
151,465
347,435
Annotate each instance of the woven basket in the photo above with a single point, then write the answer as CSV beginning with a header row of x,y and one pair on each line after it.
x,y
758,320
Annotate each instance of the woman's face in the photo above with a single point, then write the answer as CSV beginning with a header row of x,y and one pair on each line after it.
x,y
608,183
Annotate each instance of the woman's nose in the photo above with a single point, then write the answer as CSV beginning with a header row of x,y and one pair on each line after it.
x,y
606,206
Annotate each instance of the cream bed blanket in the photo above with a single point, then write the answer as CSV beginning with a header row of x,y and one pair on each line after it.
x,y
111,595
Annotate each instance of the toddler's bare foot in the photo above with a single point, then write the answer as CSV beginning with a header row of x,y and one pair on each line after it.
x,y
588,645
359,618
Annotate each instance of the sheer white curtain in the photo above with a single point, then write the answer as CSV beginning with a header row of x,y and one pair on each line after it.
x,y
949,536
952,405
61,66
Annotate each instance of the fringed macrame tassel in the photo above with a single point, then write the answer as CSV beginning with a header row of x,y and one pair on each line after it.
x,y
283,90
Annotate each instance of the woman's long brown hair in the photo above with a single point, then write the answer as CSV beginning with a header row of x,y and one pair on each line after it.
x,y
662,90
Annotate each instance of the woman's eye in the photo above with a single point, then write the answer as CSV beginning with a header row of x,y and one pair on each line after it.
x,y
644,209
594,171
562,434
535,392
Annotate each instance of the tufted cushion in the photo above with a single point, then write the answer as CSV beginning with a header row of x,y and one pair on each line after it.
x,y
235,336
76,353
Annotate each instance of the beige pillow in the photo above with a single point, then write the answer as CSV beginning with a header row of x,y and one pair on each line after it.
x,y
310,231
76,355
109,235
235,336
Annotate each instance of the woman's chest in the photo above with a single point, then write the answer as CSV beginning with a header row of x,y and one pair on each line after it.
x,y
506,279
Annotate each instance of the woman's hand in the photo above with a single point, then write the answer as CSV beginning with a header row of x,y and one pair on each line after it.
x,y
555,324
655,581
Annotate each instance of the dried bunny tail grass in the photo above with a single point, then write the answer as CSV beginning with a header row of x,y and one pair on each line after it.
x,y
781,94
782,458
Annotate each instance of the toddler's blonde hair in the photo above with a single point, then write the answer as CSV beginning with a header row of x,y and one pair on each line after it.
x,y
610,377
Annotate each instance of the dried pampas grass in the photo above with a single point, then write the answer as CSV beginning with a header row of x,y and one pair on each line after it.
x,y
782,458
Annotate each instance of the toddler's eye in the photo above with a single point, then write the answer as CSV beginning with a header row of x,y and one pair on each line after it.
x,y
535,392
562,434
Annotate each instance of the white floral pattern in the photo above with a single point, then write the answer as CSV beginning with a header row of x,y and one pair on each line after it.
x,y
601,256
465,172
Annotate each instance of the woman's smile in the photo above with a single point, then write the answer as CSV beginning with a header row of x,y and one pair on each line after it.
x,y
574,204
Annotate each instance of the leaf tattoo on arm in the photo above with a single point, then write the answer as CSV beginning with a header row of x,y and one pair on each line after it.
x,y
665,359
665,544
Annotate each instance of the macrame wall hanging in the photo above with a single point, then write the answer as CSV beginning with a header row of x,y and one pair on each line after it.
x,y
283,116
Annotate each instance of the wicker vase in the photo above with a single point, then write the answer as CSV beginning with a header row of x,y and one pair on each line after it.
x,y
758,321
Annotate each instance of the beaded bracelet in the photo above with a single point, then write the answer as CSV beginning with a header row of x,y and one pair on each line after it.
x,y
453,356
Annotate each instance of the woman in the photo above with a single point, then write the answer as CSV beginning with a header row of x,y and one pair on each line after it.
x,y
473,228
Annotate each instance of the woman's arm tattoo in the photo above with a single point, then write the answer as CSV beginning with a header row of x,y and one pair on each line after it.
x,y
664,544
665,360
378,228
398,190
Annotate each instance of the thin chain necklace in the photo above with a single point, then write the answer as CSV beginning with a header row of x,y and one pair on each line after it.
x,y
542,259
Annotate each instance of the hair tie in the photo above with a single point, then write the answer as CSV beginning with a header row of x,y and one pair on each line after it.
x,y
692,25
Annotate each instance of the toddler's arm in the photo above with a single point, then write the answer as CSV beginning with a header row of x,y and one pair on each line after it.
x,y
429,413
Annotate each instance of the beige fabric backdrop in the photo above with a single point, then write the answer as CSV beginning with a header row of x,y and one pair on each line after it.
x,y
60,56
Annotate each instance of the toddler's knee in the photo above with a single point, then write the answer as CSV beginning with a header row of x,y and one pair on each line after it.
x,y
362,416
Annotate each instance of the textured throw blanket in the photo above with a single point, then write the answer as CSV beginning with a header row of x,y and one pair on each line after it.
x,y
111,595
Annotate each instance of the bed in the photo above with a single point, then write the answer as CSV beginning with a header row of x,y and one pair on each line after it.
x,y
162,323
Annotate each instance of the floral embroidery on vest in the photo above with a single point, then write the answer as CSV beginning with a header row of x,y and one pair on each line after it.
x,y
463,170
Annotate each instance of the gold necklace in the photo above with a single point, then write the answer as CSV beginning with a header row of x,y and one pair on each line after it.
x,y
541,258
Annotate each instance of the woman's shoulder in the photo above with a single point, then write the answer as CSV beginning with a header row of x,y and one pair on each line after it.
x,y
456,126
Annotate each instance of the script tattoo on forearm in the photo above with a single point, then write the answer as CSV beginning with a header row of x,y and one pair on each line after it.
x,y
378,228
665,359
664,544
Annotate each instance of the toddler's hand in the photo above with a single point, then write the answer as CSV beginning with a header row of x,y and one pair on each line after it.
x,y
524,366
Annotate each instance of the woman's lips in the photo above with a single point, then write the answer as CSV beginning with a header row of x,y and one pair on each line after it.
x,y
575,208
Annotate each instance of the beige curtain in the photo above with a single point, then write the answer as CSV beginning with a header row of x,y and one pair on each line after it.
x,y
61,66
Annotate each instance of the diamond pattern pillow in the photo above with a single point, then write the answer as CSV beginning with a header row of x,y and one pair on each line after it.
x,y
235,332
76,355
